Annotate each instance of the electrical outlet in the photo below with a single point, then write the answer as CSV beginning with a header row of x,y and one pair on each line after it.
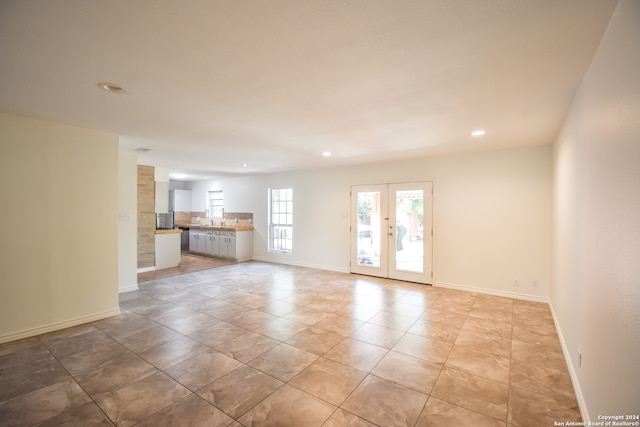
x,y
516,282
534,283
579,359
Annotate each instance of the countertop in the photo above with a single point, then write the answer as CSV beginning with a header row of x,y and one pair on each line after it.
x,y
174,231
216,227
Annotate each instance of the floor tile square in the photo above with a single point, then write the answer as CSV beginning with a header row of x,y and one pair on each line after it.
x,y
202,369
377,335
356,354
328,380
190,411
288,406
88,414
44,403
385,403
240,390
283,361
142,341
486,365
280,329
472,392
338,324
440,413
525,406
391,320
172,352
135,402
423,348
317,341
117,373
411,372
217,334
247,346
342,418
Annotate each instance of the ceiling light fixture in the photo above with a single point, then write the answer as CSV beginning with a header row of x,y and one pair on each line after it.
x,y
244,165
113,88
478,132
326,154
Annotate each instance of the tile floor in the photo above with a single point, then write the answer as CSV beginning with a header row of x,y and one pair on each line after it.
x,y
188,263
259,344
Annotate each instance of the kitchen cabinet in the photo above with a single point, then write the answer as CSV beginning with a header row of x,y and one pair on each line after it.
x,y
228,244
212,243
197,241
180,200
223,243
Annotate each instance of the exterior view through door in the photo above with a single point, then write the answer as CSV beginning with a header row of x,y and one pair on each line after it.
x,y
391,231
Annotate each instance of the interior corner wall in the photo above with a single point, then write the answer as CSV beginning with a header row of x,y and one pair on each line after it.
x,y
127,225
59,230
491,215
595,295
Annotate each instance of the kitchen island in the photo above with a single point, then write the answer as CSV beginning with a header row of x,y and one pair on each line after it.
x,y
167,248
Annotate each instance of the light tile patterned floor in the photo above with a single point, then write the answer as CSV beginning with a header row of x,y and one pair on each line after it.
x,y
259,344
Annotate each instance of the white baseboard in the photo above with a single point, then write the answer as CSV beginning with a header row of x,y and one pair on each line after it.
x,y
301,264
491,292
57,326
572,372
129,288
146,269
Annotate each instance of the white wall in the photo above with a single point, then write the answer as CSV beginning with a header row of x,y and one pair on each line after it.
x,y
596,281
58,228
128,222
492,215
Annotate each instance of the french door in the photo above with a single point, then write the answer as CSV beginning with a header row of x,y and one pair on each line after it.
x,y
391,231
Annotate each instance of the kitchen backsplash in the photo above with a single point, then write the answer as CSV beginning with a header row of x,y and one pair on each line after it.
x,y
230,218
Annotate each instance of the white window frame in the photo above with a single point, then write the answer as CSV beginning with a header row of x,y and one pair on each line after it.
x,y
281,220
215,204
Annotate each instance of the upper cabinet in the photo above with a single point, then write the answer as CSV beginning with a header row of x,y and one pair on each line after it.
x,y
180,200
162,197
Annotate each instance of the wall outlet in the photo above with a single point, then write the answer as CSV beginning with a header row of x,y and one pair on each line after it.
x,y
579,359
534,283
516,282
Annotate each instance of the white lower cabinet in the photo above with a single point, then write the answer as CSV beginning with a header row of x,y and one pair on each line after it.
x,y
212,246
237,245
197,241
228,244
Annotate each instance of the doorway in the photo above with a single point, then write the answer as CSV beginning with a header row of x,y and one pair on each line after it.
x,y
392,231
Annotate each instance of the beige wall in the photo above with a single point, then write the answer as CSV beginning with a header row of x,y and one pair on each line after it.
x,y
59,230
596,291
492,215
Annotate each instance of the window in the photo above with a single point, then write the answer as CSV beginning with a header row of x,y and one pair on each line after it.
x,y
215,204
281,219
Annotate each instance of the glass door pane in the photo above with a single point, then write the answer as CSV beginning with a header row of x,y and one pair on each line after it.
x,y
409,236
368,232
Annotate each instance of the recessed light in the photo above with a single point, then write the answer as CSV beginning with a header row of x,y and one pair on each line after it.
x,y
326,153
178,176
244,165
112,87
478,132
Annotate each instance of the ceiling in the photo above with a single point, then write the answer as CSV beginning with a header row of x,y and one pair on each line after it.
x,y
245,87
